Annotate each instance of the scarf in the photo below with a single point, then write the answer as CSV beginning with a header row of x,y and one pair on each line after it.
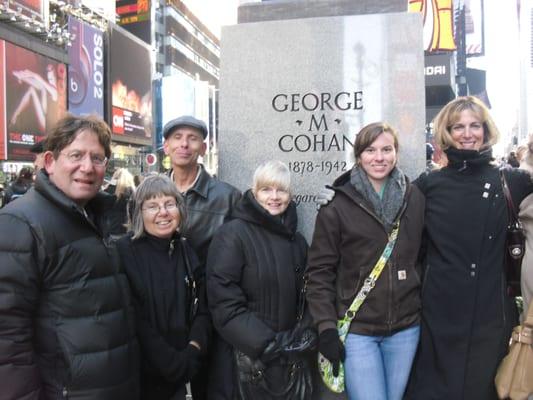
x,y
388,206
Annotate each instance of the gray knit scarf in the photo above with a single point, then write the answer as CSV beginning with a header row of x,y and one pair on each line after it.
x,y
389,205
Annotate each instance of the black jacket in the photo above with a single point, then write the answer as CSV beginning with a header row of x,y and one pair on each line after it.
x,y
15,190
348,240
162,290
254,275
209,204
466,315
66,321
117,213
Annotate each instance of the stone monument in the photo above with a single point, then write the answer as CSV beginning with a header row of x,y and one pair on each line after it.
x,y
299,79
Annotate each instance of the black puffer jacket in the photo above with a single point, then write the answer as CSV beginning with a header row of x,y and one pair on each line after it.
x,y
66,326
254,274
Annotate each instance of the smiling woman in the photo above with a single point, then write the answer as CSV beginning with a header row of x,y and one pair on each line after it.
x,y
255,270
168,286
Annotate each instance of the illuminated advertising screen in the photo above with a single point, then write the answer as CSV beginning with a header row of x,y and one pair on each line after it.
x,y
131,85
86,69
35,98
135,17
34,9
3,141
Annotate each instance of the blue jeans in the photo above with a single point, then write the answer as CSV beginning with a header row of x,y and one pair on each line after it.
x,y
378,367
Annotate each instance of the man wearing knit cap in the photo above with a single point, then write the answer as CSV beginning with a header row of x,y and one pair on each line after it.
x,y
209,202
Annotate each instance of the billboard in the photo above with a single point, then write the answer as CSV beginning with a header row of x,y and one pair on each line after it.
x,y
36,10
105,8
131,85
86,69
35,98
438,23
135,16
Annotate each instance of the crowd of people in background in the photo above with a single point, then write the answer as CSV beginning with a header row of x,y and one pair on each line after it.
x,y
181,283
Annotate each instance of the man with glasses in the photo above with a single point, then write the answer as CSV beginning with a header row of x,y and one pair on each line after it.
x,y
65,325
209,203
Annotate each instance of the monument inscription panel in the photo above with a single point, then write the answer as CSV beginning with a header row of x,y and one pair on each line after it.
x,y
300,90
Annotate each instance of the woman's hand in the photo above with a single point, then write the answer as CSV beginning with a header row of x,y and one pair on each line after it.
x,y
331,347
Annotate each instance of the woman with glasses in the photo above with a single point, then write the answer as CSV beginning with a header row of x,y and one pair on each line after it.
x,y
255,270
168,289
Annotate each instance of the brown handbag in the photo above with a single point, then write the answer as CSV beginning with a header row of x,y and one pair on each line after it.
x,y
514,379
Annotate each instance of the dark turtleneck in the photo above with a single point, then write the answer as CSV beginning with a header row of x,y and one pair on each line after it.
x,y
465,159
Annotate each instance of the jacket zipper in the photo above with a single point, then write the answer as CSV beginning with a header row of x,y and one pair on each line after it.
x,y
398,217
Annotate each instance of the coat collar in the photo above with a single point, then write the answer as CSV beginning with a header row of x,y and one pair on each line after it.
x,y
202,184
94,209
248,209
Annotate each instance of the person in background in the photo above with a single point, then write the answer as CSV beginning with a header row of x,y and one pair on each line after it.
x,y
350,235
67,327
19,186
255,272
467,316
209,203
512,160
521,151
38,162
430,164
122,191
166,281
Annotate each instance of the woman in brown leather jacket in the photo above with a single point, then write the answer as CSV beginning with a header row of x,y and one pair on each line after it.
x,y
350,235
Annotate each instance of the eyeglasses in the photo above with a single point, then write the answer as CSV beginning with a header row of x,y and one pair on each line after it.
x,y
76,157
156,208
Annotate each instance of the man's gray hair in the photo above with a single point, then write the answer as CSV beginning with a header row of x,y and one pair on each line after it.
x,y
152,187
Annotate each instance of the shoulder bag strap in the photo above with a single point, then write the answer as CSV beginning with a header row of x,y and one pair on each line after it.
x,y
190,279
513,216
344,324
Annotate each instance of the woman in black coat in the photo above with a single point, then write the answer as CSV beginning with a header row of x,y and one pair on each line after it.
x,y
467,315
255,270
168,290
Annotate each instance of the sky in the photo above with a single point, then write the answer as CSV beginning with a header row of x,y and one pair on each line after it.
x,y
214,13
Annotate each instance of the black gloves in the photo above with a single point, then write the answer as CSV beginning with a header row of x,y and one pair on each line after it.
x,y
331,347
193,358
291,344
275,347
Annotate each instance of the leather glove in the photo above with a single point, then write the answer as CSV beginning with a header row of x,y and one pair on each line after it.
x,y
305,343
324,196
194,360
331,347
275,347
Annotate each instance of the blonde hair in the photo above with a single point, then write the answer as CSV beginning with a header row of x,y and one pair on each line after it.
x,y
124,181
272,173
451,113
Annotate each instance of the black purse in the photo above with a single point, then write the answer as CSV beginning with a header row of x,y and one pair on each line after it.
x,y
514,244
287,376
